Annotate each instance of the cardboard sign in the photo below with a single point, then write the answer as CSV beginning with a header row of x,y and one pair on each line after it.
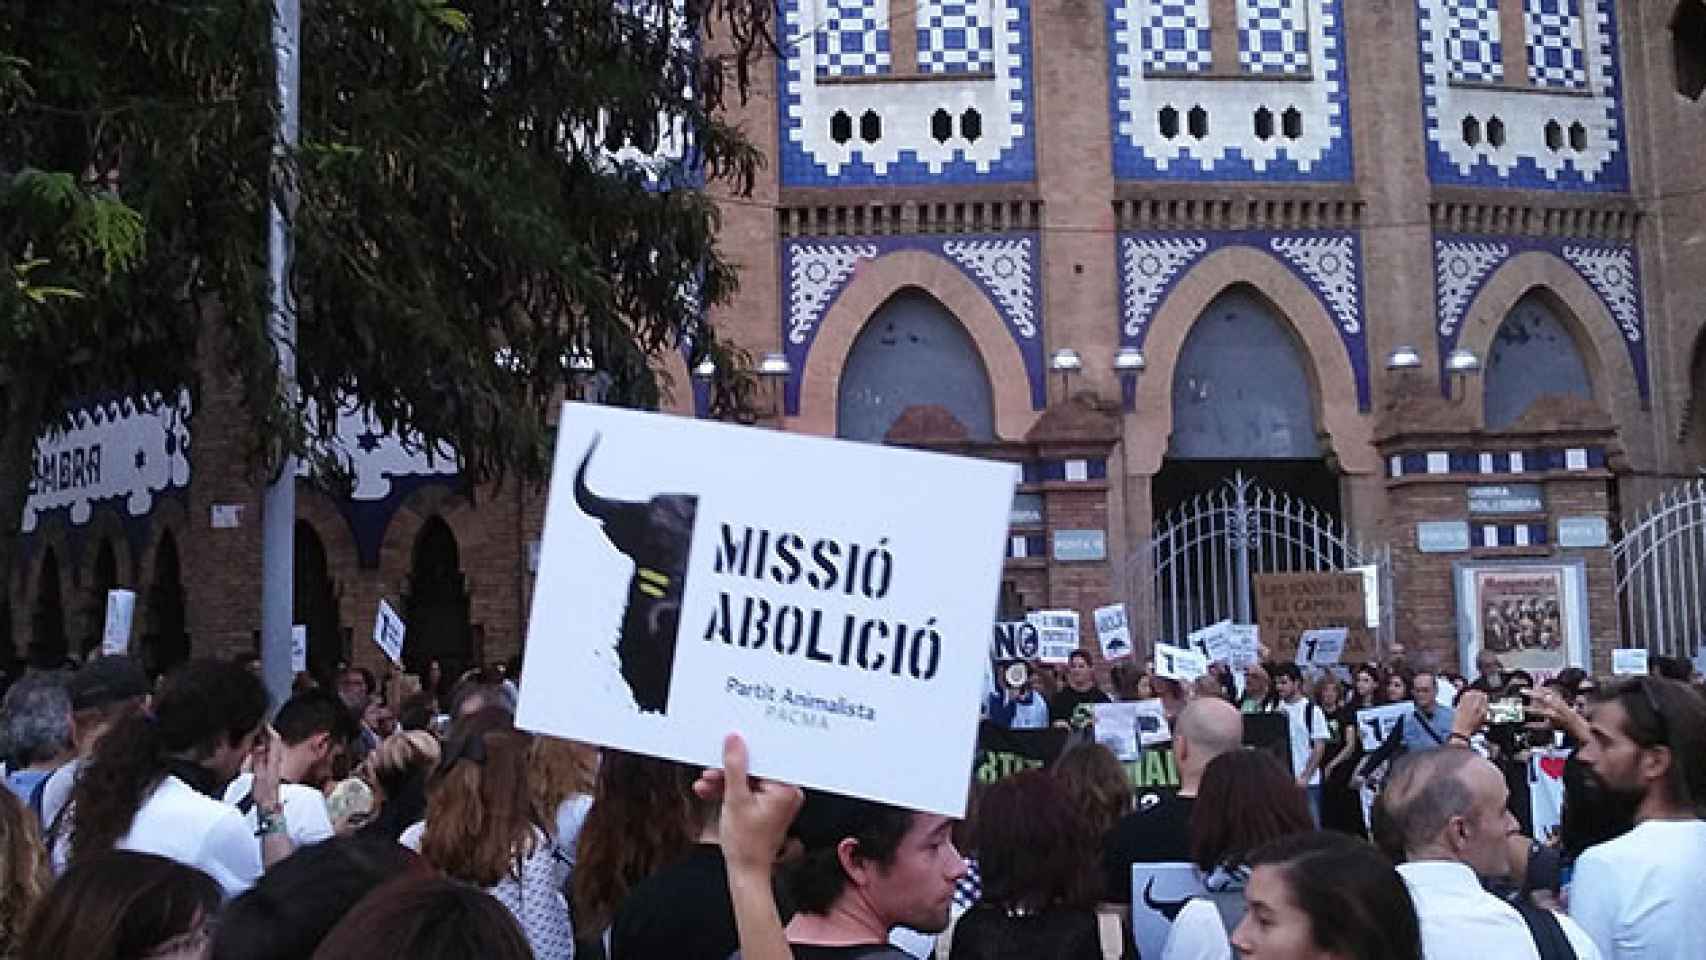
x,y
1321,648
1126,728
1015,640
1113,629
1629,662
298,649
1287,604
1375,724
388,631
1057,634
115,633
828,600
1177,663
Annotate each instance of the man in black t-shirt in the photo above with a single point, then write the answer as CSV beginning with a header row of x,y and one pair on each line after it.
x,y
867,869
1080,691
1159,831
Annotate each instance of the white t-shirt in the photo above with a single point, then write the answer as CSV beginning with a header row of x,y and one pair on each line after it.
x,y
1641,896
57,793
180,824
1460,919
1308,724
305,817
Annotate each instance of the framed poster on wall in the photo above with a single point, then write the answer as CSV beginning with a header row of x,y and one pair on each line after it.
x,y
1532,614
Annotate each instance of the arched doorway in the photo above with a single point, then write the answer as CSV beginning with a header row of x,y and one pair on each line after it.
x,y
913,353
315,602
1533,354
47,618
95,611
435,608
166,643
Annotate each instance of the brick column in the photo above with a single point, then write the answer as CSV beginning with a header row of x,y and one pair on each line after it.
x,y
1223,36
1513,34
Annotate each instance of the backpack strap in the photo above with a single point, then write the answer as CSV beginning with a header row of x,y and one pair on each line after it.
x,y
1548,933
36,794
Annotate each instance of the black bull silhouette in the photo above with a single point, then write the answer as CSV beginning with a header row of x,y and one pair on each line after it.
x,y
656,535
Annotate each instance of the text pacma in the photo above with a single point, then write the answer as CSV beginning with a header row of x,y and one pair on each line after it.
x,y
830,567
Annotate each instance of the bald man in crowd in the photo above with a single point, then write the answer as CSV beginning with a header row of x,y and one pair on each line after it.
x,y
1159,830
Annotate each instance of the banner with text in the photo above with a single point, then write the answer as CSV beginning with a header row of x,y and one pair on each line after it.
x,y
1057,634
826,599
1288,604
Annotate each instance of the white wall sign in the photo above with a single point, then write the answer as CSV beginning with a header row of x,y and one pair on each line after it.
x,y
1583,532
1080,546
692,583
1177,663
112,450
1321,648
1113,630
225,516
1629,662
1441,536
1370,594
298,649
1057,633
388,632
115,633
1506,498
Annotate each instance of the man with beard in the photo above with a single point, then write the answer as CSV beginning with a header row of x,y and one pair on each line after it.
x,y
868,868
1640,895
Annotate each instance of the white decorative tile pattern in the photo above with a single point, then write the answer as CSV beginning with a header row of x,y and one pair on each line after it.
x,y
852,38
1472,41
1150,265
1331,264
1005,267
1273,37
1555,54
1611,272
819,273
955,36
1303,134
1176,36
1459,268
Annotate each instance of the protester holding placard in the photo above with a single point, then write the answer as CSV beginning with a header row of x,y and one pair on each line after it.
x,y
1428,727
1339,808
1066,709
1342,807
1017,706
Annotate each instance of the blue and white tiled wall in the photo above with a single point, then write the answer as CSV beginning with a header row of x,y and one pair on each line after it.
x,y
1463,265
1006,267
1562,131
1172,123
1328,262
848,117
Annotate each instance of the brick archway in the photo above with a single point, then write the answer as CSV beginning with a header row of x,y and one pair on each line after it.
x,y
872,285
1578,307
1332,380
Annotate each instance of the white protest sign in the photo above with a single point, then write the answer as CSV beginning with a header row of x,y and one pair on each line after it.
x,y
1375,724
1177,663
1126,728
115,634
1113,629
1214,641
1245,642
1159,893
827,600
1015,640
298,649
1321,648
1629,662
1057,634
1700,660
388,632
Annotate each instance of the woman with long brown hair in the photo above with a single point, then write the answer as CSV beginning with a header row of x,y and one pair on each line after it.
x,y
562,774
24,874
481,829
120,905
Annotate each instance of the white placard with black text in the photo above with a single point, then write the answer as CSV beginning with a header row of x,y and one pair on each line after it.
x,y
298,649
1321,648
389,631
1113,630
1057,634
830,601
1177,663
1629,662
115,632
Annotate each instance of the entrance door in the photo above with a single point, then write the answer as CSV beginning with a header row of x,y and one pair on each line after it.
x,y
166,642
436,605
47,620
315,604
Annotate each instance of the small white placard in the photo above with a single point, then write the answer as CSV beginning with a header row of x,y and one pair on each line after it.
x,y
692,583
1177,663
115,633
1125,728
1629,662
1113,630
227,516
1375,724
1321,648
1583,532
1057,634
1077,471
1213,641
298,649
388,631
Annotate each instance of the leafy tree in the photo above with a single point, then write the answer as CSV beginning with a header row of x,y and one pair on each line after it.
x,y
479,212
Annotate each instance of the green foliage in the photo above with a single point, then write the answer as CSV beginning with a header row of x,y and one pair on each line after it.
x,y
455,198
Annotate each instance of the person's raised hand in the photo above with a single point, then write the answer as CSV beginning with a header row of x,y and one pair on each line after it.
x,y
756,813
1471,713
267,762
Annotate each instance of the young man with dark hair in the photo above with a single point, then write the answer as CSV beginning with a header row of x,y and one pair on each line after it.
x,y
1307,726
1064,710
867,869
315,729
1640,894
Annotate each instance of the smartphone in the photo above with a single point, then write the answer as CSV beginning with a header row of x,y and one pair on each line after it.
x,y
1507,710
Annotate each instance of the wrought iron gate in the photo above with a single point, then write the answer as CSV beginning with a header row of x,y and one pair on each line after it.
x,y
1661,570
1198,568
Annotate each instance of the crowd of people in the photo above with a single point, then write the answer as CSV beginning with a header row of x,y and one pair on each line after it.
x,y
179,817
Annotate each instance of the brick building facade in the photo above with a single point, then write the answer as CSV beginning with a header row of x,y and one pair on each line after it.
x,y
1264,199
